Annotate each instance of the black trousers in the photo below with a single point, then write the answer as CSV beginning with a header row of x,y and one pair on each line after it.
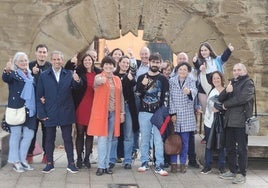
x,y
67,139
237,149
191,148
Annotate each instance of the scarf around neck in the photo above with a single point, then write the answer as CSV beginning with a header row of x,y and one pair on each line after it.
x,y
28,92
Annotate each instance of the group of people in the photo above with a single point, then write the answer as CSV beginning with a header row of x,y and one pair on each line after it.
x,y
116,102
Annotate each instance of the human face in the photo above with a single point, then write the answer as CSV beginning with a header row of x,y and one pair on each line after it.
x,y
124,65
41,54
155,65
87,62
238,71
93,54
22,62
204,52
108,68
116,55
56,61
167,71
182,57
145,54
216,80
183,71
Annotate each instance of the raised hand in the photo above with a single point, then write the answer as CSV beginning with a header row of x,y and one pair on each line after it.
x,y
231,48
186,91
74,59
35,69
8,65
76,77
195,58
203,68
130,52
229,87
129,76
145,80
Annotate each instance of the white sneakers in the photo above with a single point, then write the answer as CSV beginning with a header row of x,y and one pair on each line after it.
x,y
21,167
17,167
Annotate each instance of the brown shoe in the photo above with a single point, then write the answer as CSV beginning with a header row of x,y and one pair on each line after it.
x,y
183,168
174,168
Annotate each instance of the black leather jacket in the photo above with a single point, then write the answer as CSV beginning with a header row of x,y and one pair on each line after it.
x,y
239,103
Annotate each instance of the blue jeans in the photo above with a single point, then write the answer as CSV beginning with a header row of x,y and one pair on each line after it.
x,y
105,143
184,149
113,153
148,130
209,153
128,137
19,143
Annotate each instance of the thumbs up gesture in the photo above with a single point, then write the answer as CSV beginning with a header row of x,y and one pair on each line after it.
x,y
231,48
203,68
8,65
129,75
76,77
35,69
195,58
229,88
145,80
186,91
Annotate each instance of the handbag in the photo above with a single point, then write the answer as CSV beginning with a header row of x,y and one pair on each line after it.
x,y
15,116
253,124
4,125
173,144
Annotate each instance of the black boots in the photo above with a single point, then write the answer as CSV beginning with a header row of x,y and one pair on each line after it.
x,y
100,171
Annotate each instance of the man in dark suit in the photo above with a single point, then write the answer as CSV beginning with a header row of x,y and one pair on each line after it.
x,y
55,107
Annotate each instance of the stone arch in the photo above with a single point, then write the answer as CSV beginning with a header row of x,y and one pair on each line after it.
x,y
172,21
70,25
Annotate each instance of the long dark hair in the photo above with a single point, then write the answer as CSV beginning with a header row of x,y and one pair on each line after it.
x,y
117,70
80,65
211,51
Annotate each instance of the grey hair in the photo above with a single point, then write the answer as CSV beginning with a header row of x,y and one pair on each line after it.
x,y
16,58
56,52
243,67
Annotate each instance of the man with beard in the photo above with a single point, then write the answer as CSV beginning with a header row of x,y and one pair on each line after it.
x,y
153,88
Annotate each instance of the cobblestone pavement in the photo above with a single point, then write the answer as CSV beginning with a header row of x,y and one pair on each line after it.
x,y
257,177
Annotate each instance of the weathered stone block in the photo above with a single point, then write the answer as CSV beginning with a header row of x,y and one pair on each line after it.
x,y
4,147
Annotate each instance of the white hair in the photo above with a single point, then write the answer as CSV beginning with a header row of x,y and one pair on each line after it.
x,y
16,58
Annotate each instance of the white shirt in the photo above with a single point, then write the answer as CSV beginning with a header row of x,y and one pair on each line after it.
x,y
211,65
57,74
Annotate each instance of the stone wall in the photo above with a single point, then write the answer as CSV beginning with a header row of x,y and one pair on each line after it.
x,y
70,25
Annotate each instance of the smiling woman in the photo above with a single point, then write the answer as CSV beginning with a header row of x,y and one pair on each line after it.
x,y
21,93
108,111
